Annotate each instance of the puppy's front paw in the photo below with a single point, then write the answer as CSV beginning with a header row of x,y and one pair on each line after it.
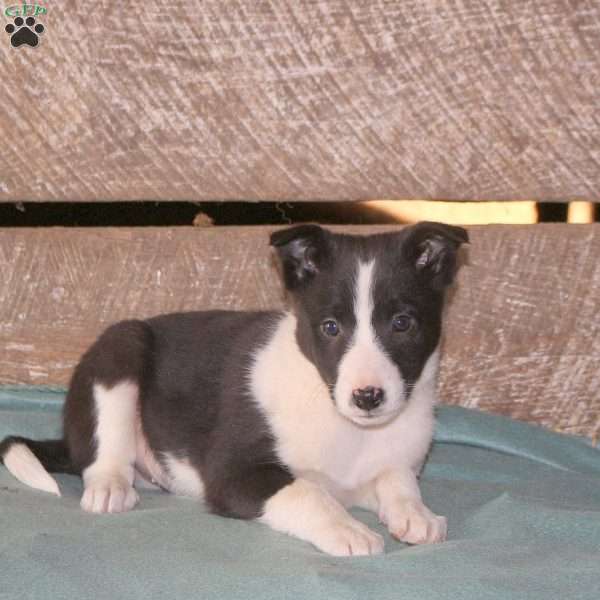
x,y
348,537
112,494
412,522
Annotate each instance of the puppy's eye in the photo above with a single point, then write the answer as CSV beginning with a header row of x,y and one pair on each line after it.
x,y
330,328
402,323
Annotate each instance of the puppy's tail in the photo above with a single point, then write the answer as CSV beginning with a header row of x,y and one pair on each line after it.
x,y
29,461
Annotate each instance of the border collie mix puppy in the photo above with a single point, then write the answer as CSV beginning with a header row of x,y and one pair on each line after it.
x,y
287,418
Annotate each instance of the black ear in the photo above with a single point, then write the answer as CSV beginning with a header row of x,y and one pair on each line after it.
x,y
432,249
302,250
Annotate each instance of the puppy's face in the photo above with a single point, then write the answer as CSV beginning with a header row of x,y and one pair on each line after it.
x,y
369,309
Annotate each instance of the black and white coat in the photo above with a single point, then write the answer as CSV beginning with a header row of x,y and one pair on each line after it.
x,y
284,417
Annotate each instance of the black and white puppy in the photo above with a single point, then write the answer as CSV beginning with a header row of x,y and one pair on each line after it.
x,y
284,417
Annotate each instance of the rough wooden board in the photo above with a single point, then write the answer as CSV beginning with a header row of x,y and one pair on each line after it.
x,y
522,334
319,99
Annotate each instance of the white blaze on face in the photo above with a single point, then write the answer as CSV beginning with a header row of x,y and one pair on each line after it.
x,y
365,363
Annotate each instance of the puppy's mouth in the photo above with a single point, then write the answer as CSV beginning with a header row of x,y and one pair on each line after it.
x,y
374,419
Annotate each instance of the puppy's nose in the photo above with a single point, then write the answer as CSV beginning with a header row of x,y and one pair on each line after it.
x,y
368,398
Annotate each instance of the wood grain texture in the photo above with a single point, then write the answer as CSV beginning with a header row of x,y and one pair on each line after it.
x,y
522,330
289,100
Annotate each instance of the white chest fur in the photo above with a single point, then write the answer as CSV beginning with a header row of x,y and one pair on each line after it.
x,y
314,440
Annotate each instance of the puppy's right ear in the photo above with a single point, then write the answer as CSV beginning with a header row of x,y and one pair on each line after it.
x,y
302,250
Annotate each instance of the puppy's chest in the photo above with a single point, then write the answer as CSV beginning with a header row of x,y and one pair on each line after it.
x,y
341,452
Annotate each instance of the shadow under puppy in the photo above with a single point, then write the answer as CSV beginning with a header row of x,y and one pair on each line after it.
x,y
284,417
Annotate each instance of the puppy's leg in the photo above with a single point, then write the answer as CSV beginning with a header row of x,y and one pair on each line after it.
x,y
108,480
305,510
298,507
401,508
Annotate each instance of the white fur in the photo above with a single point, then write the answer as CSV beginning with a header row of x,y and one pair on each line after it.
x,y
108,481
24,465
344,459
303,509
365,363
184,479
402,510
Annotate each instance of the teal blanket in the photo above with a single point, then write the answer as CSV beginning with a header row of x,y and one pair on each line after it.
x,y
523,508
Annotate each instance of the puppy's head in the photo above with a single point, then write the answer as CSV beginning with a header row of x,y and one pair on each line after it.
x,y
369,309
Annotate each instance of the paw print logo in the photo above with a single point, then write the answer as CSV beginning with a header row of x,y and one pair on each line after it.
x,y
24,32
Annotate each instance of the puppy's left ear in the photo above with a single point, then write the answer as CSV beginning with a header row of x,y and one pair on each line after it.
x,y
302,251
432,249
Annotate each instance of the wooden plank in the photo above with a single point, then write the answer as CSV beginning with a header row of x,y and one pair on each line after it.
x,y
287,100
522,335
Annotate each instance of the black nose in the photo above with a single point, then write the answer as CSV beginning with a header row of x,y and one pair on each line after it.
x,y
368,398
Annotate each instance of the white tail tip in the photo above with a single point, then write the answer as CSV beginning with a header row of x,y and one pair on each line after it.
x,y
24,465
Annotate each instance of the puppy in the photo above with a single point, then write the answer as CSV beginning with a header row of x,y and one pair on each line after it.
x,y
288,418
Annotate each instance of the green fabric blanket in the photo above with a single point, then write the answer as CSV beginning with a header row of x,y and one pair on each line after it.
x,y
523,508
